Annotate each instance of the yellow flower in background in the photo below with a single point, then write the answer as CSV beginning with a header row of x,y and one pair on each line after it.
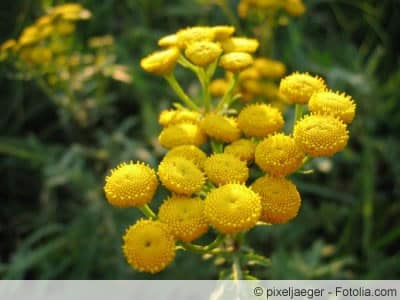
x,y
149,246
269,68
194,34
64,27
71,11
232,208
260,120
218,87
184,217
29,35
280,199
161,62
243,149
240,44
176,116
203,53
335,104
221,128
320,135
223,168
41,55
295,7
190,152
180,175
8,45
182,134
131,184
279,155
299,87
236,61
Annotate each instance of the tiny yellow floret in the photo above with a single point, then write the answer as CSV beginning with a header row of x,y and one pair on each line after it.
x,y
223,32
161,62
203,53
190,152
269,68
182,134
222,168
218,87
221,128
194,34
175,116
167,41
236,61
240,44
243,149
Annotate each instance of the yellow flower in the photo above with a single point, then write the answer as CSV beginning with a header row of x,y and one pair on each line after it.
x,y
232,208
131,184
242,149
65,27
280,199
167,41
221,128
260,120
189,152
269,68
203,53
149,246
223,168
71,11
176,116
299,87
253,87
320,135
278,155
180,175
218,87
243,9
335,104
223,32
294,7
161,62
181,134
250,73
268,4
240,44
29,35
184,217
8,45
236,61
41,55
194,34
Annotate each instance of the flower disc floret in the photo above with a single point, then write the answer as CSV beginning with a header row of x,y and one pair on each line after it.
x,y
175,116
180,175
279,155
232,208
130,184
161,62
260,120
184,217
240,44
280,199
243,149
149,246
222,168
221,128
182,134
299,87
236,61
203,53
190,152
335,104
320,135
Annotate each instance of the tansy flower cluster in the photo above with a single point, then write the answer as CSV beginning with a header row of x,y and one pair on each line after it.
x,y
291,7
212,146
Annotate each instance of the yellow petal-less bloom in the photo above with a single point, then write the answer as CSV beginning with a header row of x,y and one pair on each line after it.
x,y
236,61
130,184
203,53
218,87
180,175
232,208
175,116
222,168
184,216
167,41
243,149
222,32
240,44
149,246
279,155
299,87
71,11
8,45
280,199
335,104
320,135
269,68
182,134
29,35
190,152
260,120
194,34
221,128
295,7
161,62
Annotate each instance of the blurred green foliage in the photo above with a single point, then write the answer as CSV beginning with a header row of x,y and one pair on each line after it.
x,y
55,222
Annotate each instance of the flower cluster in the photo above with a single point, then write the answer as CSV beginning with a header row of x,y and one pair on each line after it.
x,y
214,143
291,7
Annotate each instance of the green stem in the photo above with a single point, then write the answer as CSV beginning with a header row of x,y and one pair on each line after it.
x,y
202,249
236,268
148,212
204,80
179,91
227,98
298,113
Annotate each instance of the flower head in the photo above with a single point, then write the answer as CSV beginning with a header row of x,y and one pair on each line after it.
x,y
203,53
240,44
160,62
190,152
236,61
223,32
194,34
130,184
269,68
243,149
218,87
280,199
167,41
320,135
184,216
149,246
221,128
182,134
175,116
295,7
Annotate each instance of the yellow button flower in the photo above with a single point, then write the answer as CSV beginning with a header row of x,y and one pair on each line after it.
x,y
335,104
299,87
175,116
236,61
167,41
194,34
260,120
295,7
221,128
180,175
242,149
280,199
190,152
279,155
161,62
222,32
218,87
182,134
149,246
320,135
240,44
184,216
223,168
269,68
203,53
130,184
232,208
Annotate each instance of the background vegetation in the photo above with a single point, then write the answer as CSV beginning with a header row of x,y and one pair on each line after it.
x,y
55,222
